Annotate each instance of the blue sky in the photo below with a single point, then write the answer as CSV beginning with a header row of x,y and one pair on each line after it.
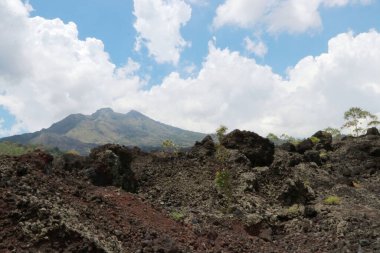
x,y
270,40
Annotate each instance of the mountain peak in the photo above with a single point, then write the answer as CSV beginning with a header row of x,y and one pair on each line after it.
x,y
103,111
135,114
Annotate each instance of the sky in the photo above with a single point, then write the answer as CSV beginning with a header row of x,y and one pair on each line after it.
x,y
280,66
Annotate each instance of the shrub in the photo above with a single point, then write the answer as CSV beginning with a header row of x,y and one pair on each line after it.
x,y
177,216
323,155
170,147
315,140
294,210
332,200
222,180
72,152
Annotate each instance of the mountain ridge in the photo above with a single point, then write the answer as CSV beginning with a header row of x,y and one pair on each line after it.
x,y
82,132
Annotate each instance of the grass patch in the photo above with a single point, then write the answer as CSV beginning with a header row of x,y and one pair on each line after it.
x,y
332,200
14,149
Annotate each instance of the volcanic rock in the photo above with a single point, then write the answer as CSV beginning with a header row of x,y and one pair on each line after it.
x,y
257,149
206,147
372,131
325,140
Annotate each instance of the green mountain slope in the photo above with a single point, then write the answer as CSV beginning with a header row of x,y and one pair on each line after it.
x,y
82,132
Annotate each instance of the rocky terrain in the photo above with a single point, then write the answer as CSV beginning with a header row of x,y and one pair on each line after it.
x,y
244,196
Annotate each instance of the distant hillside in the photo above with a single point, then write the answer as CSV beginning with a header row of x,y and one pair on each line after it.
x,y
82,132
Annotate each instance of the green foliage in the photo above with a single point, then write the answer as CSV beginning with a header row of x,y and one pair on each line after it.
x,y
221,154
294,210
14,149
290,139
333,131
357,120
177,216
72,152
170,147
273,138
315,140
332,200
221,132
323,154
222,180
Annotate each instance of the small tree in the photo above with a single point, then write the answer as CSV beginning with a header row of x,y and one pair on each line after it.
x,y
289,138
221,132
333,131
273,138
170,147
356,118
222,176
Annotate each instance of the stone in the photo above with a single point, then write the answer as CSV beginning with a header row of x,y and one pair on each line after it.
x,y
257,149
372,131
325,139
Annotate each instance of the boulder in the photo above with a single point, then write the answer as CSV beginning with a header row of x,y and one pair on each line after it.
x,y
372,131
325,140
296,192
69,162
206,147
111,165
313,156
257,149
287,146
304,145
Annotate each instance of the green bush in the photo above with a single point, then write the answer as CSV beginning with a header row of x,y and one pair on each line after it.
x,y
332,200
177,216
315,140
222,180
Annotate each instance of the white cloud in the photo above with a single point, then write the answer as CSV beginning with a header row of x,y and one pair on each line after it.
x,y
51,73
158,23
46,72
255,47
292,16
236,91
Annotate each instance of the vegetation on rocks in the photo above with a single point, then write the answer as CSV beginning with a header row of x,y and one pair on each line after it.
x,y
332,200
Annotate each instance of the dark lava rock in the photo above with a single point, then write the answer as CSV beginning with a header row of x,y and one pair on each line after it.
x,y
70,162
257,149
21,171
287,146
296,192
310,212
313,156
304,145
375,152
325,139
372,131
110,164
38,159
206,147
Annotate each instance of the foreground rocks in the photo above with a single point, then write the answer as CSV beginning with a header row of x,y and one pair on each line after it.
x,y
324,199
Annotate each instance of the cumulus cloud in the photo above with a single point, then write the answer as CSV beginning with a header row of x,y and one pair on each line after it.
x,y
52,73
158,23
236,91
255,47
46,72
293,16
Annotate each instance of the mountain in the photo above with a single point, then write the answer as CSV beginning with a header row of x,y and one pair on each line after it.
x,y
82,132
